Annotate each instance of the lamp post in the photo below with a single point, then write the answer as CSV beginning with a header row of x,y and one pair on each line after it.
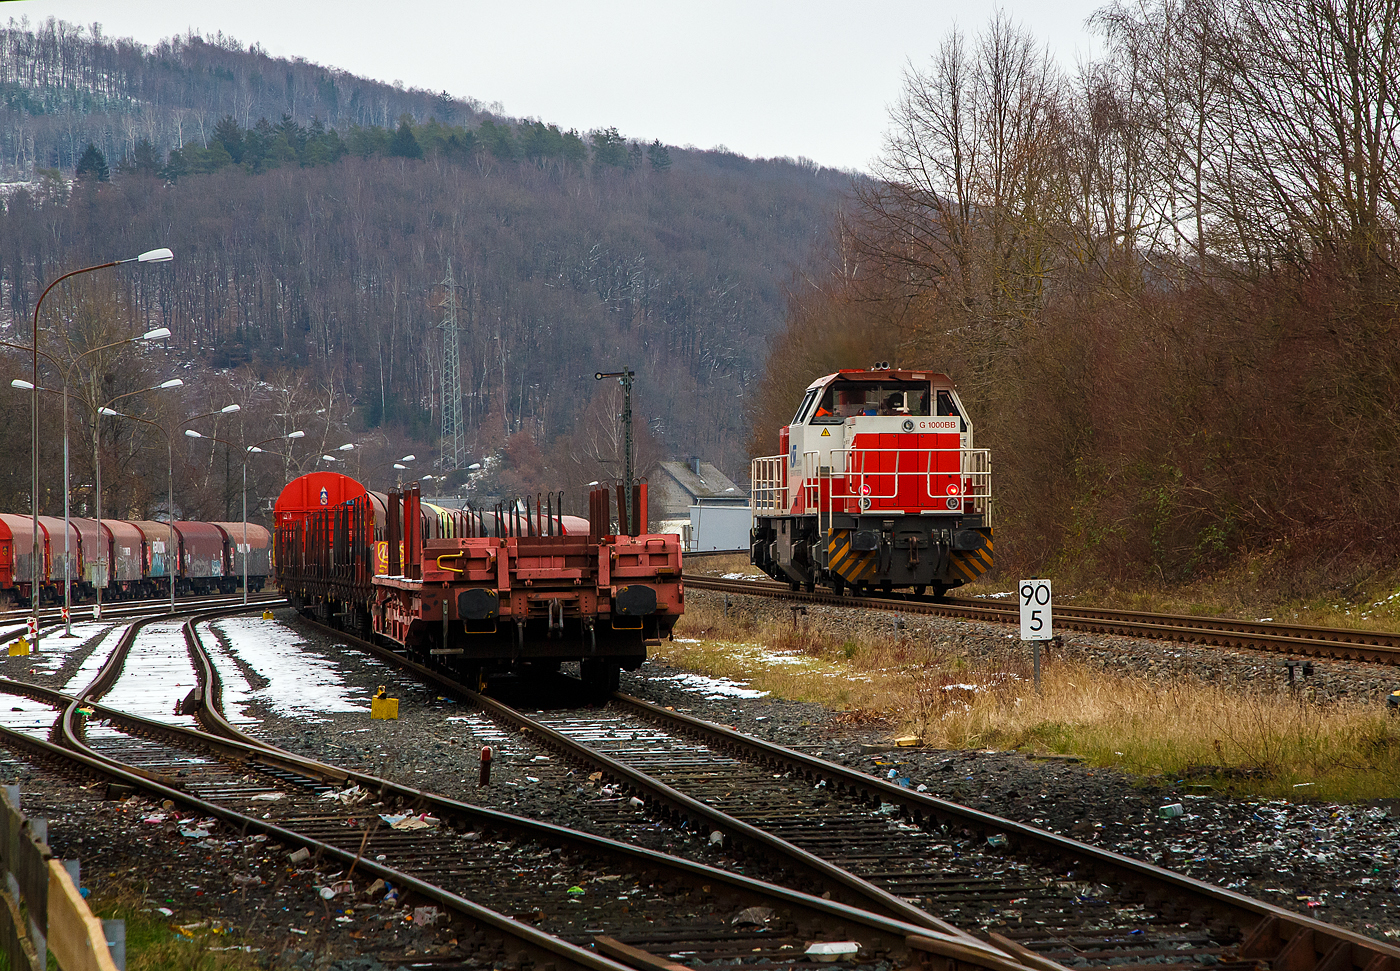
x,y
150,256
157,334
247,451
97,485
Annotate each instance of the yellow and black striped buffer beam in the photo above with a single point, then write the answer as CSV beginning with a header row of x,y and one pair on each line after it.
x,y
851,565
968,565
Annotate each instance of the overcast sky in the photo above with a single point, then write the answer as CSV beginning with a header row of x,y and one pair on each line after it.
x,y
811,78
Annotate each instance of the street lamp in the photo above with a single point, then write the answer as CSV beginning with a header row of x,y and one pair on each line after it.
x,y
150,256
247,451
402,466
97,486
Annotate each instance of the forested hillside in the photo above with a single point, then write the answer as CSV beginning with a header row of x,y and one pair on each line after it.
x,y
312,250
63,85
1167,284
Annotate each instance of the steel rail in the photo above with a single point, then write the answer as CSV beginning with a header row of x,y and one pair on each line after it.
x,y
543,947
671,802
816,909
1253,915
131,609
894,936
938,931
1337,949
1326,642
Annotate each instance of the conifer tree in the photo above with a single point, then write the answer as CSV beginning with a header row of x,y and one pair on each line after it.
x,y
144,160
230,133
609,148
657,155
404,144
93,165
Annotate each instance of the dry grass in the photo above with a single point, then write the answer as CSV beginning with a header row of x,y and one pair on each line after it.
x,y
720,565
155,943
1263,744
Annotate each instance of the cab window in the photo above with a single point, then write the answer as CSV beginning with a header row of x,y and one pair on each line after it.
x,y
806,406
872,399
839,403
948,407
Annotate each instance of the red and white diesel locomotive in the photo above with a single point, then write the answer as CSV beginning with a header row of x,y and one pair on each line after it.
x,y
879,487
520,588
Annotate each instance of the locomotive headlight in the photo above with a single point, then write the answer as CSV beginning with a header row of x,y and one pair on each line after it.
x,y
952,503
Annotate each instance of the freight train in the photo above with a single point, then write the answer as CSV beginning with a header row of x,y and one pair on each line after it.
x,y
522,588
878,488
130,561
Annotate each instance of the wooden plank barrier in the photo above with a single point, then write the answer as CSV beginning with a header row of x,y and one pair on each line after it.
x,y
43,910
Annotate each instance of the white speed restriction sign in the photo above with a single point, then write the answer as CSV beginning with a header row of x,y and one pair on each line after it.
x,y
1035,610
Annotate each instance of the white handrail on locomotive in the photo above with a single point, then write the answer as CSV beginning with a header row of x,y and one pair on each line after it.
x,y
769,493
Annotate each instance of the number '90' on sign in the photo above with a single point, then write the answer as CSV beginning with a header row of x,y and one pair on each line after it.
x,y
1035,610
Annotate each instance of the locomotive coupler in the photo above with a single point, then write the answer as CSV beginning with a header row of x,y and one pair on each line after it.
x,y
556,617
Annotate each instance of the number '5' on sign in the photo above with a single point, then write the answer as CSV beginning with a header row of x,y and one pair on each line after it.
x,y
1035,610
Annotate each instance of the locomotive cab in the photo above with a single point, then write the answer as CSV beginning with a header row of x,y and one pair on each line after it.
x,y
879,487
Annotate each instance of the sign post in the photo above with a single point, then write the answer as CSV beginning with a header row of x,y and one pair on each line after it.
x,y
1036,617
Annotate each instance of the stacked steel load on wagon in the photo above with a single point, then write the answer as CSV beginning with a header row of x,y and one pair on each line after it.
x,y
519,588
878,487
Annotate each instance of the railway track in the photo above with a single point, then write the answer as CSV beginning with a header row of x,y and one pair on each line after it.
x,y
495,872
13,623
1325,642
1036,894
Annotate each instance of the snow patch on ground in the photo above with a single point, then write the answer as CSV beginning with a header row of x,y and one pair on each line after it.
x,y
301,682
713,688
156,676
